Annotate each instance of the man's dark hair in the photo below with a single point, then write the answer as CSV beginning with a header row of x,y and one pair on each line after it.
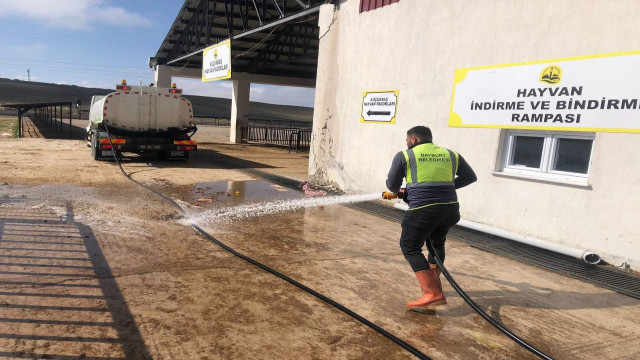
x,y
423,133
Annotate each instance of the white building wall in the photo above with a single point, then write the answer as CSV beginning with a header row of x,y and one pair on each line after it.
x,y
414,46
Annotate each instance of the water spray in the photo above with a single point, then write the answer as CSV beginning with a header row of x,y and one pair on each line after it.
x,y
273,207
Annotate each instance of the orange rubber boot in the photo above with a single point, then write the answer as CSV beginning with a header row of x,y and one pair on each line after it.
x,y
431,290
433,266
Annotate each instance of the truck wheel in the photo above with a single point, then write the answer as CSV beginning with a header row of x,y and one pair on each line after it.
x,y
94,148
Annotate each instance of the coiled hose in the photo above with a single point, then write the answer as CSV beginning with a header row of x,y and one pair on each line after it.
x,y
417,353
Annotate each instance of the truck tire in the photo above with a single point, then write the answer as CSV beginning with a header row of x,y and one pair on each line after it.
x,y
94,148
96,153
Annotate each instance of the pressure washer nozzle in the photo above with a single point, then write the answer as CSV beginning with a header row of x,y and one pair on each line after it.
x,y
389,195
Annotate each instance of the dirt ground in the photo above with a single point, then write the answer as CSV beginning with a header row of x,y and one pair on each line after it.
x,y
93,267
8,126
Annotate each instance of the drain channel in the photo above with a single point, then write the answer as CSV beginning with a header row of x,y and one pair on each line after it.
x,y
605,277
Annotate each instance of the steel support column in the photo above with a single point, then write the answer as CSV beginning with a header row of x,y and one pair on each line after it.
x,y
20,113
239,109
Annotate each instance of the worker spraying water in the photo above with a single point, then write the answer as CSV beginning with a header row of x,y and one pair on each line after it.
x,y
432,176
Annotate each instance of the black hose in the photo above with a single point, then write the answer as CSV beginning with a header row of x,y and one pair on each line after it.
x,y
478,310
417,353
339,306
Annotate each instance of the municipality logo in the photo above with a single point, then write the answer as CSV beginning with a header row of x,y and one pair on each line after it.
x,y
552,75
215,53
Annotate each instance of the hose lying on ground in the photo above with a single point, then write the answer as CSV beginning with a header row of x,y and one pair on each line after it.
x,y
318,295
480,312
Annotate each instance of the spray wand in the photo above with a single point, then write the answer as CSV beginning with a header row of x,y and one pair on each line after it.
x,y
388,195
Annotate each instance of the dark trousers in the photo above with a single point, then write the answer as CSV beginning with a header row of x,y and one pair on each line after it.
x,y
431,222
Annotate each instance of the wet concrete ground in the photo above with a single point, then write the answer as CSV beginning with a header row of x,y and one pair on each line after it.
x,y
354,257
158,290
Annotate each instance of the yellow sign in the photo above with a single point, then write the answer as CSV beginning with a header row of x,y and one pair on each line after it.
x,y
595,93
551,74
216,62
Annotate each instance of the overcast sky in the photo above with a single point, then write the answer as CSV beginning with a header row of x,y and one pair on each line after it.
x,y
96,43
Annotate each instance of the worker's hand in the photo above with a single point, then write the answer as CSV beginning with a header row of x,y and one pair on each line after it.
x,y
389,195
401,193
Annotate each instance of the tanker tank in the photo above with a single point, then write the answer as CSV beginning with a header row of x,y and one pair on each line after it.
x,y
141,120
141,109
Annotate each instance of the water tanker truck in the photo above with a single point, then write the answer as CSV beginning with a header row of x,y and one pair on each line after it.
x,y
141,119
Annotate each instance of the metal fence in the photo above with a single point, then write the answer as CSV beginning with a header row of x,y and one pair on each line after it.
x,y
215,121
277,123
292,138
302,140
270,123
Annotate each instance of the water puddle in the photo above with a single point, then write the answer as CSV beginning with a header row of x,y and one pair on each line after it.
x,y
217,194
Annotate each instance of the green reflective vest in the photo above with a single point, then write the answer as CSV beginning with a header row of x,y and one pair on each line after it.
x,y
430,165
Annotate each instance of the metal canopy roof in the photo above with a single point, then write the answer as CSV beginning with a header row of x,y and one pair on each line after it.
x,y
268,37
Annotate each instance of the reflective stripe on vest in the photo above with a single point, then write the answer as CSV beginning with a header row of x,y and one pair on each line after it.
x,y
430,165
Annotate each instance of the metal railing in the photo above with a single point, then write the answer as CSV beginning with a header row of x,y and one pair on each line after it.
x,y
302,140
215,121
278,123
270,123
292,138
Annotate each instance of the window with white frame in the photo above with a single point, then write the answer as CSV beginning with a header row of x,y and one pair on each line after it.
x,y
549,155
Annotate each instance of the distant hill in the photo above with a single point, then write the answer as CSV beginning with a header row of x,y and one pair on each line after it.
x,y
18,91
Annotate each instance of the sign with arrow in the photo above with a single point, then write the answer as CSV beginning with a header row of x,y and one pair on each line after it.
x,y
379,107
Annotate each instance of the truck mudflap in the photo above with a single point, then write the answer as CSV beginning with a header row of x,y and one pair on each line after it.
x,y
182,150
102,151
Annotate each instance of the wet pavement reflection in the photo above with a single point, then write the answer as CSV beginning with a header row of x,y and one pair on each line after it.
x,y
231,193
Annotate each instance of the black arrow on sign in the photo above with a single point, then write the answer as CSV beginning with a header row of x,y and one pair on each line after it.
x,y
378,112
